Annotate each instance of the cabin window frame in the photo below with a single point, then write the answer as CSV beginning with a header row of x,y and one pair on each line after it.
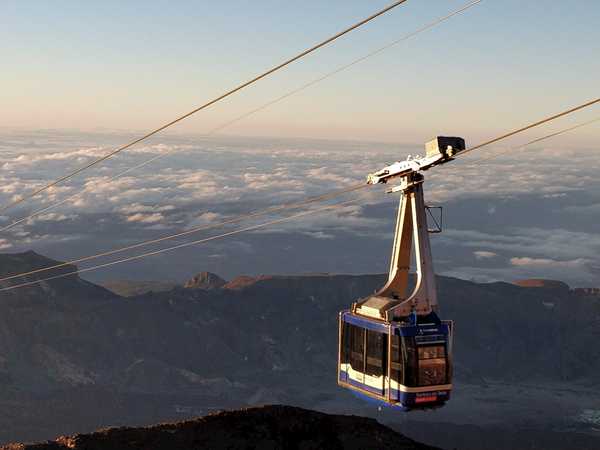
x,y
421,359
380,351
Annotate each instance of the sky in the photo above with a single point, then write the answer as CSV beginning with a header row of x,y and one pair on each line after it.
x,y
86,77
135,65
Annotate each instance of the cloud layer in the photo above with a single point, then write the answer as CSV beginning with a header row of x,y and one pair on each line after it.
x,y
532,213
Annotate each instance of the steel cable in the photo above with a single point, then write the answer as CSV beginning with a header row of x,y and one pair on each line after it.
x,y
532,125
251,215
534,141
204,106
336,193
253,111
185,244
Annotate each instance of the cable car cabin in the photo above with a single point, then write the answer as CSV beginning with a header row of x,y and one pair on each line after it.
x,y
403,364
392,346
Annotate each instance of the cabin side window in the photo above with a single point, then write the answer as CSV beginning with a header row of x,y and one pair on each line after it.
x,y
345,344
376,353
432,365
410,362
357,348
396,371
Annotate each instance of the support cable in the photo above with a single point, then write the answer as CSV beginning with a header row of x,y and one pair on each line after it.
x,y
534,141
533,125
204,106
233,220
253,111
349,189
185,244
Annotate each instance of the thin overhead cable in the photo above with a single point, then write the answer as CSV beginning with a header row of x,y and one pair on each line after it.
x,y
534,141
349,65
233,220
204,106
186,244
277,208
532,125
254,111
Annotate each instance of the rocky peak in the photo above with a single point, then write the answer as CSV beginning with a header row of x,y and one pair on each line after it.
x,y
205,280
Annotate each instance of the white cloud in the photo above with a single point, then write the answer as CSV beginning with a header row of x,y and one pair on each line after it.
x,y
319,235
4,244
205,218
51,217
549,263
482,254
539,242
145,218
141,208
78,155
328,174
584,209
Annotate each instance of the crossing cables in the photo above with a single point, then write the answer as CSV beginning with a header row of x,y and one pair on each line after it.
x,y
203,106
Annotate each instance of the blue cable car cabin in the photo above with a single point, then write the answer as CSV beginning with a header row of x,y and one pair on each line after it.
x,y
392,345
406,365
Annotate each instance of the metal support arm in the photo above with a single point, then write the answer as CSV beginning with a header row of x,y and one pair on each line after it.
x,y
391,301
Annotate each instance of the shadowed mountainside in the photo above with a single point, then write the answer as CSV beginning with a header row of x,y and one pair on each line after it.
x,y
268,427
67,344
127,288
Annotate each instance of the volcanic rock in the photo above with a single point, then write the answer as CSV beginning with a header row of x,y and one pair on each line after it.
x,y
205,280
268,427
542,283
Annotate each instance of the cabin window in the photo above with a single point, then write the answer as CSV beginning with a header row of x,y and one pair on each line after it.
x,y
357,348
376,353
432,365
346,341
396,371
410,361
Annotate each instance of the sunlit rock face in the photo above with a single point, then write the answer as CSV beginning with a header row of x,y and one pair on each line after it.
x,y
205,280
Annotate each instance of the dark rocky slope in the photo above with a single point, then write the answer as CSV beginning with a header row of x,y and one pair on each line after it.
x,y
68,344
268,427
128,288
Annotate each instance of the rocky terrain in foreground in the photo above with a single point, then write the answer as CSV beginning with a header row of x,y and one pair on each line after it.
x,y
268,427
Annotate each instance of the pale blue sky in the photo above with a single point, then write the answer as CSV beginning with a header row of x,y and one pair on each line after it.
x,y
134,65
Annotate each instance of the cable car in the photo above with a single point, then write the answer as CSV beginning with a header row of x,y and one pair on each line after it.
x,y
393,347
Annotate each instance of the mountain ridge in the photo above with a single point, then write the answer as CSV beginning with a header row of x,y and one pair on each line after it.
x,y
273,339
267,427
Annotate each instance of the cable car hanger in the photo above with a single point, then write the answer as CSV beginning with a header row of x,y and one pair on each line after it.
x,y
392,345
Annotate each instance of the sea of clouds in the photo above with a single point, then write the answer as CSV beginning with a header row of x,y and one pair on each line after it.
x,y
527,213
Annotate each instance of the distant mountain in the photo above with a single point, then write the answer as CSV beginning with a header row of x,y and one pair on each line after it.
x,y
205,280
542,283
67,344
131,288
59,289
268,427
587,292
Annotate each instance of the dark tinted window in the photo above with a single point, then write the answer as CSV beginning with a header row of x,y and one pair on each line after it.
x,y
411,363
345,344
376,353
357,348
396,369
432,364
